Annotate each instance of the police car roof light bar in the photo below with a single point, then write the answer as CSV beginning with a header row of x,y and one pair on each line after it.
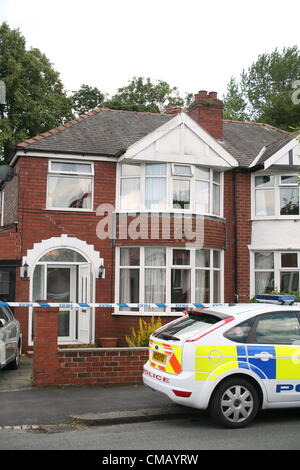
x,y
276,299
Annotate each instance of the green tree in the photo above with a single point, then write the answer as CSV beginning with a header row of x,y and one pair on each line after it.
x,y
35,97
87,98
143,94
234,102
267,88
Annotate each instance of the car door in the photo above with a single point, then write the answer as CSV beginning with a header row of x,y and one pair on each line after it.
x,y
274,354
5,341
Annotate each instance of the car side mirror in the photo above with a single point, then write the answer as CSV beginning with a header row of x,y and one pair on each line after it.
x,y
2,323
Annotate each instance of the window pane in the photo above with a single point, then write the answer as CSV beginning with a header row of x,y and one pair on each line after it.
x,y
216,199
71,167
202,289
217,259
155,256
202,197
289,180
289,260
130,170
181,257
264,282
69,192
239,333
155,286
278,328
63,254
58,284
264,181
217,176
203,258
182,170
130,193
156,193
217,286
181,194
180,286
202,173
129,287
38,283
158,169
4,282
129,256
265,202
289,281
289,201
264,260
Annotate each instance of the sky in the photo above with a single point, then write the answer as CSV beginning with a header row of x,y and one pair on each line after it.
x,y
191,44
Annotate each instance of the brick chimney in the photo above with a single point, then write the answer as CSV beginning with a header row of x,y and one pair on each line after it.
x,y
207,110
173,110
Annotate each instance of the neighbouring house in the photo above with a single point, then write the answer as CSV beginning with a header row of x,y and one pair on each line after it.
x,y
132,207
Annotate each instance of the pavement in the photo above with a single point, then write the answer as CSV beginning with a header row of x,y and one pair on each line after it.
x,y
23,405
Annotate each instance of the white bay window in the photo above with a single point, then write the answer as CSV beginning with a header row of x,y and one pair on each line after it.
x,y
165,275
169,187
276,271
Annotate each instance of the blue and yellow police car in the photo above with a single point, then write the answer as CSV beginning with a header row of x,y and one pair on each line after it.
x,y
232,360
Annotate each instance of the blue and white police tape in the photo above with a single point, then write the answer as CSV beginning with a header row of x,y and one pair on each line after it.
x,y
107,305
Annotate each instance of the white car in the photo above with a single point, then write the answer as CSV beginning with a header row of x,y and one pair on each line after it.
x,y
10,339
233,360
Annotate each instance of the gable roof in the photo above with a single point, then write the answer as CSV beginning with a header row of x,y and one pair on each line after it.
x,y
107,132
244,140
99,132
275,147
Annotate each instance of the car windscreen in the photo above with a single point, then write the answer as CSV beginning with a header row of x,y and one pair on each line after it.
x,y
189,325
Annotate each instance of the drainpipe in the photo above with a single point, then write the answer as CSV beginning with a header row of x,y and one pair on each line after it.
x,y
235,256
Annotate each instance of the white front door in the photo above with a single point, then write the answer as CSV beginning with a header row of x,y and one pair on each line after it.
x,y
61,286
84,297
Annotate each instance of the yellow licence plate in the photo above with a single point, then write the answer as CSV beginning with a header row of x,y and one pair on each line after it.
x,y
159,357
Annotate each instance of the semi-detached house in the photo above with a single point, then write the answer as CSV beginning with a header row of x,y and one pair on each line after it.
x,y
131,207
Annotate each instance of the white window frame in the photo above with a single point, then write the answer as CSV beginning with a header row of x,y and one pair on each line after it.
x,y
277,269
169,266
169,188
67,174
276,188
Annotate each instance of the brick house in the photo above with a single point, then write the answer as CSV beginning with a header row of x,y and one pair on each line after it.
x,y
127,207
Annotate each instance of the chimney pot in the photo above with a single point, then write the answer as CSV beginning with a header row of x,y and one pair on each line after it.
x,y
213,95
173,110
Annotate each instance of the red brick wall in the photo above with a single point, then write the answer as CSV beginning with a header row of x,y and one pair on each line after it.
x,y
53,366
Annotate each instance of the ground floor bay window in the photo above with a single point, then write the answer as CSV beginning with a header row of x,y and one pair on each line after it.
x,y
165,275
276,271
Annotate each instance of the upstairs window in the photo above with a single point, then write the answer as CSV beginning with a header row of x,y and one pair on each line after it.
x,y
276,195
170,187
70,185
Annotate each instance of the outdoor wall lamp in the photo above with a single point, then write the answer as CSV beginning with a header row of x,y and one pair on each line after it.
x,y
101,272
24,270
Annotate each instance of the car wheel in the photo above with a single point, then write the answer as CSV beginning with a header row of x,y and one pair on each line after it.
x,y
234,403
13,365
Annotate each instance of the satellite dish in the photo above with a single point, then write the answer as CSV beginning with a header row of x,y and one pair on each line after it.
x,y
6,173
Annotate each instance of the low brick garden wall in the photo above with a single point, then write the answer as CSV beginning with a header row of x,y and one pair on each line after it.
x,y
101,366
81,366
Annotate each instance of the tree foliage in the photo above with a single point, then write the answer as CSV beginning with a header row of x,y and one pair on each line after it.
x,y
234,102
267,88
35,96
143,94
87,98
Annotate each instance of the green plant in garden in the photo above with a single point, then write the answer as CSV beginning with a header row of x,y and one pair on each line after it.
x,y
140,338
